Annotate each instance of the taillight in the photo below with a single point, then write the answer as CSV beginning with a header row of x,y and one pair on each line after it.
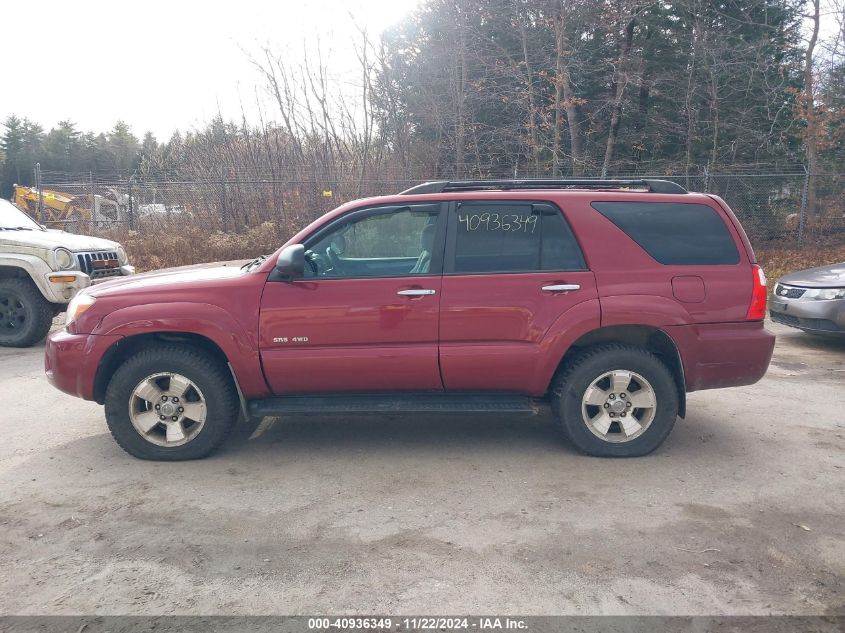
x,y
759,295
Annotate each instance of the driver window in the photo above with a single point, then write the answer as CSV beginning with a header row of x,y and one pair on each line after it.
x,y
393,243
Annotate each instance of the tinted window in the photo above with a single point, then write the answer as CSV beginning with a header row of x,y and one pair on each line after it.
x,y
513,237
674,233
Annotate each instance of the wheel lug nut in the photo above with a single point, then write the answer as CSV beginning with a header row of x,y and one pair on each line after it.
x,y
162,417
612,415
628,404
613,396
181,409
606,405
158,407
174,418
622,395
622,414
164,398
175,399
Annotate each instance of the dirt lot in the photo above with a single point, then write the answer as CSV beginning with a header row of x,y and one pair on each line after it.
x,y
740,512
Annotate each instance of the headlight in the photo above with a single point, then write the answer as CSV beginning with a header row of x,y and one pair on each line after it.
x,y
79,304
121,256
64,259
825,294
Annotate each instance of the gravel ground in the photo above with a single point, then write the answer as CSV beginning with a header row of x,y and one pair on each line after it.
x,y
740,512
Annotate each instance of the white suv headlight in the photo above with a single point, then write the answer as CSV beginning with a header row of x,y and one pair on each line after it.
x,y
79,304
64,259
825,294
122,257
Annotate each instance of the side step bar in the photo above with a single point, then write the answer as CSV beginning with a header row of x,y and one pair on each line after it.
x,y
380,404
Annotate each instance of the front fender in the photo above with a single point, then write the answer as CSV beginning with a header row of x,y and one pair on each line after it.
x,y
37,270
202,319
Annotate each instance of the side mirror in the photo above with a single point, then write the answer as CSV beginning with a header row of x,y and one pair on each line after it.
x,y
291,263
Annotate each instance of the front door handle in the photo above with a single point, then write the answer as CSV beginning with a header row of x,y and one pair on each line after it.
x,y
561,287
416,292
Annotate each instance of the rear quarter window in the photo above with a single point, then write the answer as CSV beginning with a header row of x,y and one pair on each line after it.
x,y
674,233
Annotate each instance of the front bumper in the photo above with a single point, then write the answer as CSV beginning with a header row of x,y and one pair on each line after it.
x,y
71,361
62,286
810,315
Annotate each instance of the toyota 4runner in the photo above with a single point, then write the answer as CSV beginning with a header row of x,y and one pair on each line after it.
x,y
41,270
606,300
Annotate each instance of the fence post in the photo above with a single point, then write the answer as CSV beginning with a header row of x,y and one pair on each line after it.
x,y
93,200
707,178
803,213
131,207
40,192
224,210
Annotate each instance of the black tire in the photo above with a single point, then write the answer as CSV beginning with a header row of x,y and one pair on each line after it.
x,y
570,387
25,315
209,375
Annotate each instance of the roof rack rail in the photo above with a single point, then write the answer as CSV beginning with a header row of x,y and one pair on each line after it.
x,y
442,186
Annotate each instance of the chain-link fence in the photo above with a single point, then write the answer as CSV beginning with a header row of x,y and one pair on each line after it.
x,y
771,207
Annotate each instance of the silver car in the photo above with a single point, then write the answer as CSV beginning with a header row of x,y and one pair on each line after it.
x,y
812,300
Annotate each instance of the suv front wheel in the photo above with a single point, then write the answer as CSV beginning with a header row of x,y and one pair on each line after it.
x,y
171,403
616,401
25,316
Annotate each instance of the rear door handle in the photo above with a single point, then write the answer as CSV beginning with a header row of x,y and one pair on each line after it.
x,y
561,287
416,292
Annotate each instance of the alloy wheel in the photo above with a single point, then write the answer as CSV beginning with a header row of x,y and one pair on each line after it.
x,y
167,409
619,406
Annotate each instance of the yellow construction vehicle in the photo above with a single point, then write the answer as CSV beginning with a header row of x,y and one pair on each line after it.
x,y
70,212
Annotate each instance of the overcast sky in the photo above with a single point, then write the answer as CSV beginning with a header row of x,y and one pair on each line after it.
x,y
162,65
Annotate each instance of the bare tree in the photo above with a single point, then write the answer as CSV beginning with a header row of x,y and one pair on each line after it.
x,y
627,15
811,140
565,105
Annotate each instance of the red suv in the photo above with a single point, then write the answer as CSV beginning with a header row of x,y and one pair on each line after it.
x,y
607,300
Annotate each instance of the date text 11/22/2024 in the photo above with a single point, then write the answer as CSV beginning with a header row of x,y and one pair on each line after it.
x,y
417,623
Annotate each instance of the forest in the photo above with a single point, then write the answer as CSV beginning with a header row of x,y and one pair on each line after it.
x,y
487,88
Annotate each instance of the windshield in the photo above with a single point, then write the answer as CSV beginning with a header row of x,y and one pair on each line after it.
x,y
13,218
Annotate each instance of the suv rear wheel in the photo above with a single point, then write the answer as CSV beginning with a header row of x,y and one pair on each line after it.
x,y
25,316
616,401
171,403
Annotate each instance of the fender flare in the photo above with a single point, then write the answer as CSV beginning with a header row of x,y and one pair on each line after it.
x,y
584,318
37,271
569,326
196,318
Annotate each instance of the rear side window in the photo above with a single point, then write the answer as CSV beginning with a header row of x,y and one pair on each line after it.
x,y
511,237
674,233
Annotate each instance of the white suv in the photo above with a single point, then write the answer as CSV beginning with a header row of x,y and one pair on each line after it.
x,y
41,270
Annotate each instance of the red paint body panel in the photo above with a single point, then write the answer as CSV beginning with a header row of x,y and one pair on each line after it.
x,y
492,327
689,289
493,332
723,354
71,361
217,301
359,335
623,268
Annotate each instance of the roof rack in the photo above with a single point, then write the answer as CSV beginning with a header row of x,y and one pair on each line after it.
x,y
441,186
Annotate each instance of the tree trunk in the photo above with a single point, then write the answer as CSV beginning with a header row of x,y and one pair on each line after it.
x,y
688,107
812,124
460,88
620,81
532,110
563,85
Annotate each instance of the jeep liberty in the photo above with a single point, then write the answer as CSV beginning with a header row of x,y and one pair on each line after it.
x,y
41,270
